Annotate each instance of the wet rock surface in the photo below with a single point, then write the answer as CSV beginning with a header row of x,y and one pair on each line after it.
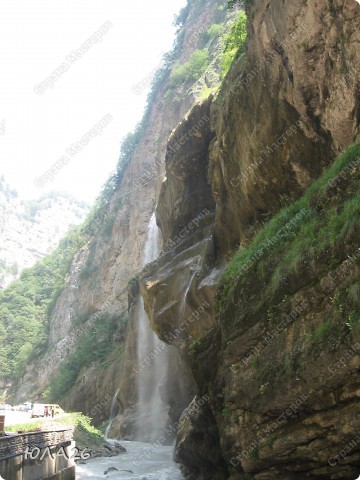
x,y
197,446
108,450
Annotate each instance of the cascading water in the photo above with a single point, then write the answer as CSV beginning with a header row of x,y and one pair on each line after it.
x,y
154,461
152,245
187,289
151,382
112,416
140,462
152,355
153,360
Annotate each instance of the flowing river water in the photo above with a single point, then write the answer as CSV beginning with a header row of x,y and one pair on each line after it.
x,y
142,461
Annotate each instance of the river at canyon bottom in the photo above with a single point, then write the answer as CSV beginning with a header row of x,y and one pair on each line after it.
x,y
142,461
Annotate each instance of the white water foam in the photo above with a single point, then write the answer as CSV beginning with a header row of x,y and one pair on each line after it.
x,y
140,462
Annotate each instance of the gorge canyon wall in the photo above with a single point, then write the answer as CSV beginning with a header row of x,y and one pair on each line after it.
x,y
255,289
266,351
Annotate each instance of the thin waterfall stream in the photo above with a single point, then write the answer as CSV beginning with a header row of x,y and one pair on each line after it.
x,y
112,416
152,410
151,460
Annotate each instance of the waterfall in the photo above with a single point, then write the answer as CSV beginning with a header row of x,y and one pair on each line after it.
x,y
155,391
151,381
152,356
182,307
111,418
153,398
152,245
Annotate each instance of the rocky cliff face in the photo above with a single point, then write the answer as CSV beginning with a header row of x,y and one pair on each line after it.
x,y
267,338
275,350
296,98
31,230
98,284
186,214
180,388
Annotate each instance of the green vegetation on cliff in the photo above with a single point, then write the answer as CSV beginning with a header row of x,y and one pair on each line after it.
x,y
215,31
95,344
318,222
245,3
26,305
192,70
233,46
234,43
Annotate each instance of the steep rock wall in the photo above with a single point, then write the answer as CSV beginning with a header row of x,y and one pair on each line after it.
x,y
281,117
98,281
186,216
295,99
180,386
